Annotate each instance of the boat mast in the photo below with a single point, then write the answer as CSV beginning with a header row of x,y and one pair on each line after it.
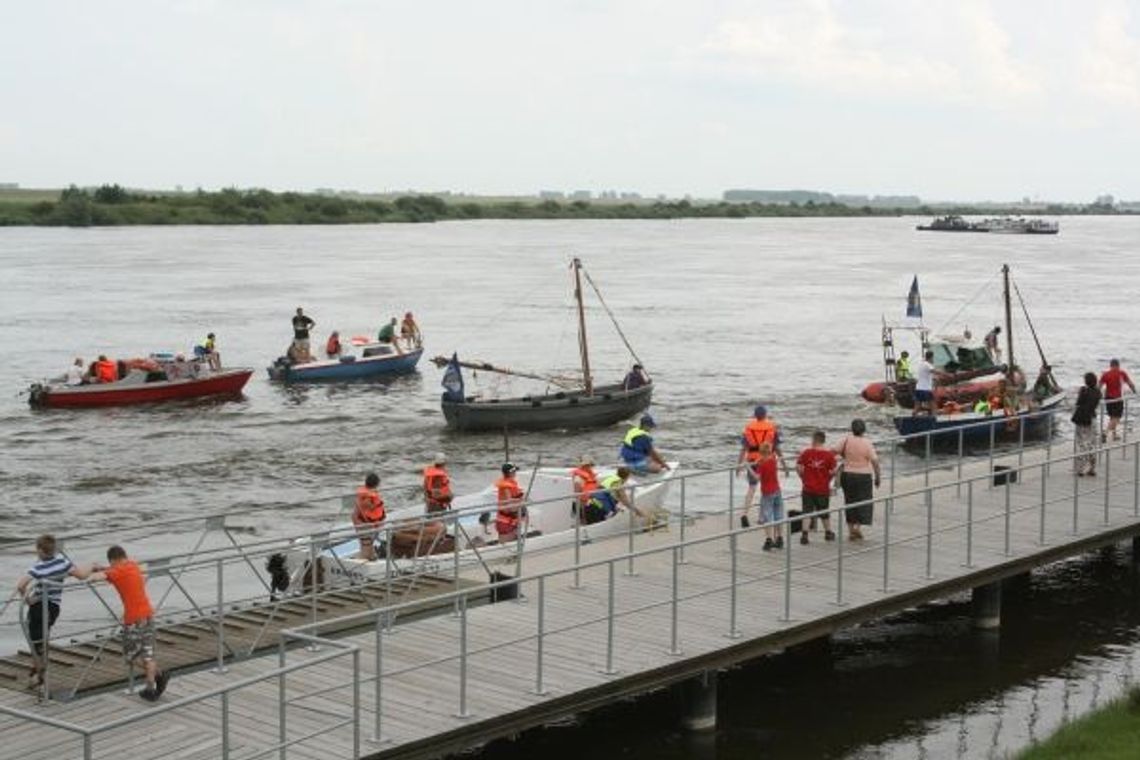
x,y
582,345
1008,320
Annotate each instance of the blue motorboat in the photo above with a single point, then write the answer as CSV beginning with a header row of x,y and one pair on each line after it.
x,y
375,360
980,428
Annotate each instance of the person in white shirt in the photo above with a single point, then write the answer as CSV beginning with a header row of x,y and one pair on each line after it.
x,y
75,373
924,384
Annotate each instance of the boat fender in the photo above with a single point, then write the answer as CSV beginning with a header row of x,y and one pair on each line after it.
x,y
347,359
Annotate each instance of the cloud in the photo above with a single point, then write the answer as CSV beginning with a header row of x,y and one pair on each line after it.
x,y
1110,63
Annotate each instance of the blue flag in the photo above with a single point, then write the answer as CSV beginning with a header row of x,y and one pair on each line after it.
x,y
914,300
453,380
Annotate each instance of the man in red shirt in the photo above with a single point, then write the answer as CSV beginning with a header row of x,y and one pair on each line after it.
x,y
816,466
138,617
1113,381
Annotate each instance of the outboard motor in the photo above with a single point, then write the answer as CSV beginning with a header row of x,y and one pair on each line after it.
x,y
37,394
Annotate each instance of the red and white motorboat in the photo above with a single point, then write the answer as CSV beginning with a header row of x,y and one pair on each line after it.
x,y
147,382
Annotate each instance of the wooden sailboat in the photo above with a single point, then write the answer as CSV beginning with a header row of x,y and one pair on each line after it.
x,y
576,403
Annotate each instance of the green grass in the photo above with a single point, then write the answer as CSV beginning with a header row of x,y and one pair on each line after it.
x,y
1110,733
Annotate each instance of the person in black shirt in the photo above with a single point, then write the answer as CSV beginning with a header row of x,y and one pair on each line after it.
x,y
301,326
1084,416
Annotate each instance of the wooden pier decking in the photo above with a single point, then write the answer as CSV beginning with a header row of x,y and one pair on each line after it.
x,y
937,547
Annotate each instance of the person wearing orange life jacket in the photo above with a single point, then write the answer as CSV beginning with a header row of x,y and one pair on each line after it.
x,y
510,501
367,515
106,371
590,507
333,347
759,430
437,485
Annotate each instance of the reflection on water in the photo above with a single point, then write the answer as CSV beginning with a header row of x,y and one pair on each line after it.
x,y
921,684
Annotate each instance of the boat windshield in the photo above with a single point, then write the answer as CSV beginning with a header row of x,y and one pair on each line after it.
x,y
952,358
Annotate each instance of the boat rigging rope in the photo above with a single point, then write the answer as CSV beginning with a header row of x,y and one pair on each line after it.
x,y
969,301
613,319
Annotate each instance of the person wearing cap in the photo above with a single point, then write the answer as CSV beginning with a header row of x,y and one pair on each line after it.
x,y
207,349
590,509
437,485
410,331
635,379
368,514
638,451
759,430
510,500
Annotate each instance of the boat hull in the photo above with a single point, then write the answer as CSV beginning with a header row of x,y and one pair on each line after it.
x,y
608,405
226,383
348,368
973,428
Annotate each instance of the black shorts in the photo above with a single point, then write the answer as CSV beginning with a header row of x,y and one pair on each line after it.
x,y
36,621
815,502
1115,409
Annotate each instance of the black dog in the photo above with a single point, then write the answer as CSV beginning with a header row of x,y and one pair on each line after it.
x,y
278,576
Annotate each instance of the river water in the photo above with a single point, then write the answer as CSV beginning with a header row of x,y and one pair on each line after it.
x,y
724,314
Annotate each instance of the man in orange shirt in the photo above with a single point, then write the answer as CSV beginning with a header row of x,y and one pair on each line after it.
x,y
138,617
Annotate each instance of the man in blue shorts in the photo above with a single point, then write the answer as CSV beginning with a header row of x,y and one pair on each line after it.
x,y
924,384
637,450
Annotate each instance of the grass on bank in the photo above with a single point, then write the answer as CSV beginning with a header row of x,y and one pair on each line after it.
x,y
112,205
1107,734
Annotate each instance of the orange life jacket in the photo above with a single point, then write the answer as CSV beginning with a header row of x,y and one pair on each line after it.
x,y
589,484
332,348
758,432
107,371
369,507
437,488
509,496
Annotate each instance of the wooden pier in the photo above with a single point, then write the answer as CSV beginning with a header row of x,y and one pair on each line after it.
x,y
668,613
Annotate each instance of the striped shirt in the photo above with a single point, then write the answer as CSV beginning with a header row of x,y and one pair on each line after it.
x,y
53,571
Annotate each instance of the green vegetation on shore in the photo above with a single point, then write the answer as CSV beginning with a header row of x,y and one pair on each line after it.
x,y
112,205
1112,733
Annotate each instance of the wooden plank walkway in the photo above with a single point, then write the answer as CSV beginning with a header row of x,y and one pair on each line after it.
x,y
420,658
98,663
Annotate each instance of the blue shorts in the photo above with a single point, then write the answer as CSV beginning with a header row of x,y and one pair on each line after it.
x,y
753,475
638,465
771,507
923,395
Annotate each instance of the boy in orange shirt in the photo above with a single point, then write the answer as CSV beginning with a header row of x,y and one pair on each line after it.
x,y
138,617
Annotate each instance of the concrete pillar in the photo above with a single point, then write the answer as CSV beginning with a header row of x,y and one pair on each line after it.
x,y
1136,550
698,702
987,606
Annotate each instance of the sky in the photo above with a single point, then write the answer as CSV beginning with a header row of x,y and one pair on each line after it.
x,y
946,99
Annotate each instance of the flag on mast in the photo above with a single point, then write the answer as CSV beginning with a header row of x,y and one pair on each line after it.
x,y
914,300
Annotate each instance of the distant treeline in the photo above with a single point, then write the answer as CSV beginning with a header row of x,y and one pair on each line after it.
x,y
112,205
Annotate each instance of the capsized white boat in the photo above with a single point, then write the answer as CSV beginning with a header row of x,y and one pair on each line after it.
x,y
551,508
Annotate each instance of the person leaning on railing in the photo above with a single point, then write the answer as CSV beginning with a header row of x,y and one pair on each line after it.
x,y
1083,419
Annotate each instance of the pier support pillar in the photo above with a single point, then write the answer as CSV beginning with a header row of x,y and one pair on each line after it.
x,y
987,606
1136,550
698,702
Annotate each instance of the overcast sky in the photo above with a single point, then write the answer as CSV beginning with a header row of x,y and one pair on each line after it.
x,y
963,99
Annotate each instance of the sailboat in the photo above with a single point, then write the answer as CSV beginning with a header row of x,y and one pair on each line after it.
x,y
578,403
1027,413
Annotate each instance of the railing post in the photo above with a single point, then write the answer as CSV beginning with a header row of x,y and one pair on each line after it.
x,y
886,548
454,553
1076,500
993,429
681,527
609,671
929,532
926,459
45,637
539,688
463,658
87,749
356,704
786,530
891,501
311,645
732,497
1136,479
1107,480
221,618
629,530
282,704
961,454
673,648
1044,501
1020,442
1008,480
1049,443
733,632
225,725
578,548
378,685
840,529
970,523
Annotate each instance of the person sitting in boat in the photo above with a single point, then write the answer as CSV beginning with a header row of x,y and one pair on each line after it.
x,y
1045,386
332,347
636,378
590,508
510,501
637,450
615,494
106,371
982,406
437,485
207,349
387,335
902,368
368,514
296,354
410,332
75,374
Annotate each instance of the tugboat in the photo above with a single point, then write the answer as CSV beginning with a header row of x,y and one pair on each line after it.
x,y
951,223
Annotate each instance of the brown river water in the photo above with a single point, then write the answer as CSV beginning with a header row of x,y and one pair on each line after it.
x,y
724,313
